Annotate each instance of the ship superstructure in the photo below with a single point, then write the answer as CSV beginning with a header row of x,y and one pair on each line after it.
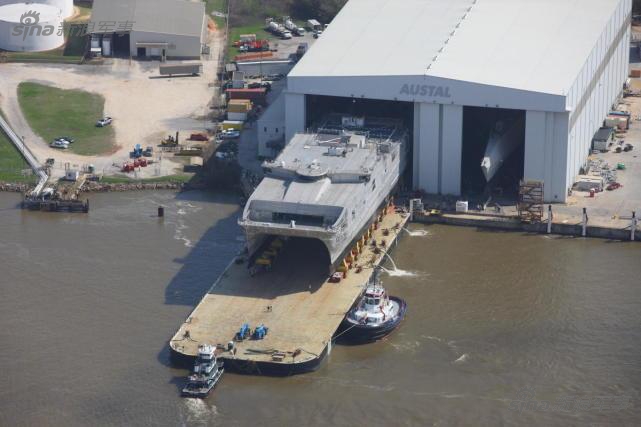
x,y
328,184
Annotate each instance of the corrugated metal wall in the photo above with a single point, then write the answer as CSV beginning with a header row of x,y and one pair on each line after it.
x,y
598,86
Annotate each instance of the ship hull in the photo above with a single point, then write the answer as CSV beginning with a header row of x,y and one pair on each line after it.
x,y
499,148
272,369
336,241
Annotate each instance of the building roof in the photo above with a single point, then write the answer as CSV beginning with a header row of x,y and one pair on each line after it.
x,y
531,45
178,17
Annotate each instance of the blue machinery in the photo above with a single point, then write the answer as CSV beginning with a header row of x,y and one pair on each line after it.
x,y
245,332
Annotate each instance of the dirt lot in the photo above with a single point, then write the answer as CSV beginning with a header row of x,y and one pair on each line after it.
x,y
145,108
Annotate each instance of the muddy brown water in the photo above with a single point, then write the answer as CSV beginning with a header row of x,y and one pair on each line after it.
x,y
501,328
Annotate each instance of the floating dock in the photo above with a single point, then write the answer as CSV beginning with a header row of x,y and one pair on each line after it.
x,y
36,204
295,301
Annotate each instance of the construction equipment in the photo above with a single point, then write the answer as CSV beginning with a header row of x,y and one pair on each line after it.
x,y
137,153
260,332
170,140
243,333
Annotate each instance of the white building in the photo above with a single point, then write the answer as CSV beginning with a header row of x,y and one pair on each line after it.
x,y
559,63
271,129
151,28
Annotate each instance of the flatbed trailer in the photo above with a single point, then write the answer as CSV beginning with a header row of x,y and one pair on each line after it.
x,y
294,300
181,69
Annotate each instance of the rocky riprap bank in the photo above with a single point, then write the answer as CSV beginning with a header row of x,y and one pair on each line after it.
x,y
11,187
98,187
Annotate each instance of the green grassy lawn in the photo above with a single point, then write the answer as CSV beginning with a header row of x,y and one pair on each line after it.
x,y
12,163
218,6
53,112
84,13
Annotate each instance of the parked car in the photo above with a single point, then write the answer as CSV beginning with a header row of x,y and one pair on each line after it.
x,y
59,144
230,134
69,139
105,121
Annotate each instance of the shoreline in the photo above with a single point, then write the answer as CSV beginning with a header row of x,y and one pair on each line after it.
x,y
97,187
619,232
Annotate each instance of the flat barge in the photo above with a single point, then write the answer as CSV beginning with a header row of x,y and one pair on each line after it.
x,y
296,301
37,204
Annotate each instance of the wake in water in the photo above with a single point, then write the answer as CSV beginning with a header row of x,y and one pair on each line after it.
x,y
397,272
198,411
417,233
463,358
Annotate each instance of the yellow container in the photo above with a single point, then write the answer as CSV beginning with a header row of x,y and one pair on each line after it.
x,y
239,106
231,124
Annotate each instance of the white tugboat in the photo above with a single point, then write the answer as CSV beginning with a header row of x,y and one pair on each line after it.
x,y
376,315
207,372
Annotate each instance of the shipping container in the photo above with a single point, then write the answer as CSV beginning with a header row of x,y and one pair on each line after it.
x,y
241,117
180,69
247,37
314,25
239,106
258,96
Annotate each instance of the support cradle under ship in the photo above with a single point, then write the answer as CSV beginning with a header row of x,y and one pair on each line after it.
x,y
327,185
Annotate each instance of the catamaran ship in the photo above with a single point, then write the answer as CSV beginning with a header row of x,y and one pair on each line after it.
x,y
327,185
502,142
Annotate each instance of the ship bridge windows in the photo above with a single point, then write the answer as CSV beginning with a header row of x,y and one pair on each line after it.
x,y
286,212
298,219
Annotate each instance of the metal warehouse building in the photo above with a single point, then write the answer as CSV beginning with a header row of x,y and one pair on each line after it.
x,y
454,68
151,28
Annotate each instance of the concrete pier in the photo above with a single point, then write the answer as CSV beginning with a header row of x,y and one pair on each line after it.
x,y
579,227
295,301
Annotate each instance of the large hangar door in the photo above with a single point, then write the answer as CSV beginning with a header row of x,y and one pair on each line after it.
x,y
318,107
493,150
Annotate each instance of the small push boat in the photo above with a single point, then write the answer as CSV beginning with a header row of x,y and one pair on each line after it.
x,y
207,372
376,315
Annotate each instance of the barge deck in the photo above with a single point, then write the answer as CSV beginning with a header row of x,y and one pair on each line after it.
x,y
295,301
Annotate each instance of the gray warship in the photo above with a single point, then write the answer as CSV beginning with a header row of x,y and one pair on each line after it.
x,y
327,184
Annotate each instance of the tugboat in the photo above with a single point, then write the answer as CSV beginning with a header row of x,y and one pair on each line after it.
x,y
375,316
207,372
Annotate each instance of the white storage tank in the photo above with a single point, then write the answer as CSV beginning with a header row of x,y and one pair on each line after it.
x,y
66,6
30,27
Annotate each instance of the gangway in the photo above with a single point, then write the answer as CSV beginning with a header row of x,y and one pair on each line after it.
x,y
28,156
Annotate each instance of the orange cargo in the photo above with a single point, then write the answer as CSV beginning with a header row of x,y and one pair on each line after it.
x,y
253,56
635,72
